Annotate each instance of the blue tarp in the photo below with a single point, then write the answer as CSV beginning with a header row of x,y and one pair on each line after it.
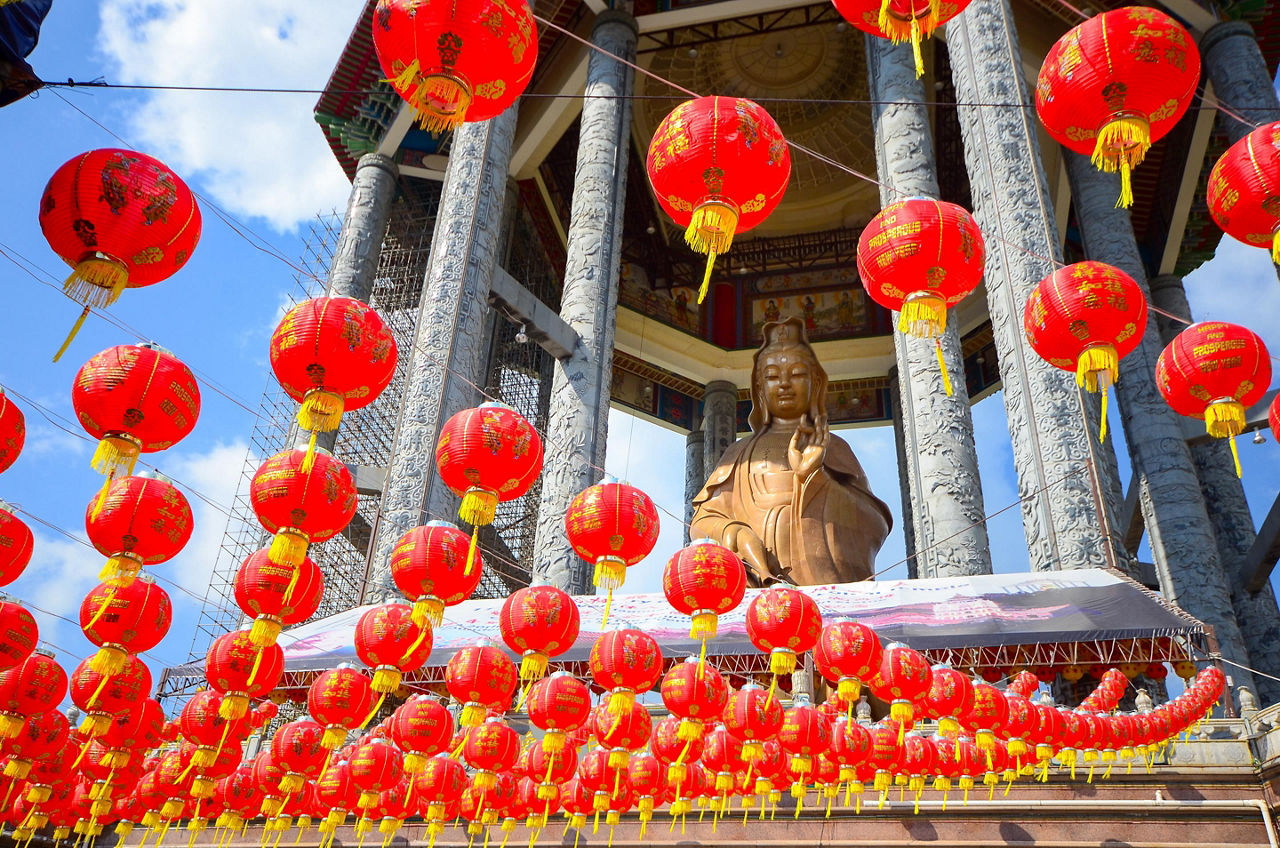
x,y
19,32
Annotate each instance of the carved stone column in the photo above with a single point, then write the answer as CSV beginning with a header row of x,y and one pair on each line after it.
x,y
1173,509
1240,78
579,417
449,348
948,535
1066,511
1233,527
694,476
904,479
719,422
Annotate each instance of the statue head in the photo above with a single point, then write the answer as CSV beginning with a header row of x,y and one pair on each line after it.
x,y
786,379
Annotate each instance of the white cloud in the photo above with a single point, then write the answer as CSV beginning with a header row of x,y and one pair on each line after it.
x,y
256,154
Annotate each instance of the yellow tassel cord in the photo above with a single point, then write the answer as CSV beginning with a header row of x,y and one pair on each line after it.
x,y
386,679
902,712
472,715
373,712
109,660
233,706
257,665
621,701
1121,146
1096,369
477,509
610,573
115,456
288,547
428,610
1275,248
710,231
120,570
101,611
266,630
423,633
1224,419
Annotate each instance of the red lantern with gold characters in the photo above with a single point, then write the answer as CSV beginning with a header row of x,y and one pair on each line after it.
x,y
99,697
333,355
901,20
121,219
783,622
558,705
847,653
138,521
456,62
704,580
16,545
134,399
422,728
241,670
392,644
1215,370
907,678
481,678
919,257
339,699
1244,189
487,455
718,166
301,505
13,432
538,622
32,686
1085,318
696,692
429,565
625,663
276,596
123,620
612,525
1116,84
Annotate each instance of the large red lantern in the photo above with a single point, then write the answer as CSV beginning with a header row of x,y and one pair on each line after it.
x,y
297,749
918,257
718,166
704,580
900,20
805,733
491,748
847,653
241,670
538,622
16,545
456,62
1244,189
1085,318
123,620
375,766
339,699
1116,84
621,735
121,219
301,504
13,432
481,678
134,399
487,455
137,521
613,526
950,696
783,622
275,595
429,565
32,686
100,697
625,662
391,643
1215,370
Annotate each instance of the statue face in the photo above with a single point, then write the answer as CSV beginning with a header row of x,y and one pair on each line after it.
x,y
785,378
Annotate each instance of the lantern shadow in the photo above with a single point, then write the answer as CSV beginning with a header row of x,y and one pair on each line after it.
x,y
921,830
1015,834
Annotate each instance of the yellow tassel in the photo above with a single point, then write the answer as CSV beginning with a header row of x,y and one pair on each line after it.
x,y
257,665
704,626
1226,419
621,701
309,460
423,634
610,573
428,610
120,570
97,281
89,705
265,631
923,315
96,724
116,455
533,665
102,609
884,20
109,660
288,547
441,102
1275,248
608,606
17,769
75,329
916,37
233,707
373,712
472,715
782,661
38,794
333,737
942,366
1121,146
320,411
11,725
478,507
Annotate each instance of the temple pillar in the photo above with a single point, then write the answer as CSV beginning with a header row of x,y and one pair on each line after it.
x,y
1067,513
447,360
579,418
904,480
949,538
719,423
694,475
1241,82
1232,521
1173,508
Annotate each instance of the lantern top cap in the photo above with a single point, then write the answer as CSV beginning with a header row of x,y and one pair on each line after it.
x,y
158,348
800,699
892,645
439,523
495,404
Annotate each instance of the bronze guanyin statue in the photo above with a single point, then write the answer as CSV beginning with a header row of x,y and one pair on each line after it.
x,y
791,498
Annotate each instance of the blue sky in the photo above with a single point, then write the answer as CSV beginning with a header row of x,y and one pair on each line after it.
x,y
261,158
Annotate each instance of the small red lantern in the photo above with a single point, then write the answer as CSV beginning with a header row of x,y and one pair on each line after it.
x,y
696,692
987,718
487,455
847,653
332,354
137,521
783,622
919,257
805,733
481,678
339,699
718,166
241,670
440,782
538,622
625,662
13,432
297,750
558,705
276,596
612,525
388,641
1215,370
490,748
753,716
900,20
121,219
907,678
1085,318
41,735
300,505
704,580
16,545
32,686
429,566
950,696
1116,84
454,63
134,399
202,723
375,766
422,728
1242,191
100,697
622,734
1273,415
123,620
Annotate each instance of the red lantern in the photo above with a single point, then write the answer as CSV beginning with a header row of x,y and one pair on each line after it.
x,y
422,728
846,653
301,505
332,354
805,733
718,166
1273,415
1085,318
202,724
428,564
1242,189
918,257
1215,370
241,670
784,622
277,596
612,525
481,678
623,734
696,692
704,580
487,455
120,219
558,705
16,545
134,399
13,432
32,686
137,521
1116,84
950,696
455,63
375,766
339,699
907,678
41,735
538,622
296,749
753,716
625,662
440,782
722,755
388,641
551,768
987,718
123,620
900,20
490,748
100,697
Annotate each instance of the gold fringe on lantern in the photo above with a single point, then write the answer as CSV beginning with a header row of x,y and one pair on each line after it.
x,y
923,315
288,547
691,728
1122,143
234,705
901,711
97,281
619,758
17,769
109,660
427,610
477,509
472,715
38,793
948,726
533,665
441,99
202,787
321,411
710,231
116,456
704,626
333,737
291,783
386,679
172,808
621,701
782,661
120,569
1224,419
265,631
848,688
1096,369
95,724
11,725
